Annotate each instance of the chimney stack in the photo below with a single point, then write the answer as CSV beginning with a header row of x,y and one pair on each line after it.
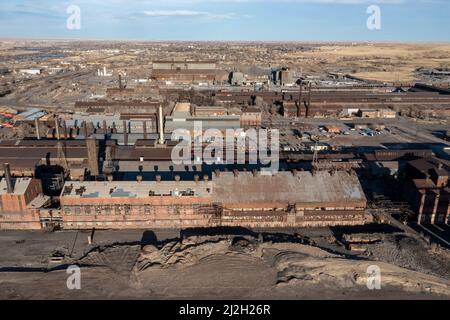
x,y
65,130
125,132
161,126
91,146
85,129
38,133
120,82
308,104
58,135
9,184
144,123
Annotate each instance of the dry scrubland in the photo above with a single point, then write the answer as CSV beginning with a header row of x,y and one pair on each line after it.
x,y
382,62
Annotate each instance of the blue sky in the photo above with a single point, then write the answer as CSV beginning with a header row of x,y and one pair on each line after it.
x,y
269,20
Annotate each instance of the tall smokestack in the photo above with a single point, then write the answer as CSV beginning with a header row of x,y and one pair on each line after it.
x,y
58,135
91,145
9,184
309,100
144,123
120,82
38,133
66,133
161,126
125,132
85,129
300,92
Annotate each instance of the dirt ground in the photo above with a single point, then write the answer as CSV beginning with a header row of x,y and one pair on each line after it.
x,y
227,267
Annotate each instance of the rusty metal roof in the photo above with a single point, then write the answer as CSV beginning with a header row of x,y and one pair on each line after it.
x,y
341,188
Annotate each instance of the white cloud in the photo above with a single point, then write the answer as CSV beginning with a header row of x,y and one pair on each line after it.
x,y
186,13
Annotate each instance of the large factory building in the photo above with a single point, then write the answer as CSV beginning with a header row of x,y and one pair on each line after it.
x,y
184,116
248,199
187,72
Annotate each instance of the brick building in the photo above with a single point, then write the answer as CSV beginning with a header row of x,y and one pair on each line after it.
x,y
229,199
187,72
251,117
428,189
20,201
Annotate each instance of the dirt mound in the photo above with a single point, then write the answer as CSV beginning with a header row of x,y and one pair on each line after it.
x,y
207,264
191,250
120,259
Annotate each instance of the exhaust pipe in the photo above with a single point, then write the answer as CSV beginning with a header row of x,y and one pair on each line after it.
x,y
38,133
58,135
9,184
125,133
161,126
145,129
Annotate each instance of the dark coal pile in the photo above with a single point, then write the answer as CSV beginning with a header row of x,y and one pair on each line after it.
x,y
412,254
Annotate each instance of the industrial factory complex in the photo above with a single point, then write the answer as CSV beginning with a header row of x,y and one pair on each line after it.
x,y
220,170
226,152
105,161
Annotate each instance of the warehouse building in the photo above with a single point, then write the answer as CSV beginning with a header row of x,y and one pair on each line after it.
x,y
182,117
229,199
251,117
30,115
377,113
28,157
116,106
290,199
81,126
188,72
